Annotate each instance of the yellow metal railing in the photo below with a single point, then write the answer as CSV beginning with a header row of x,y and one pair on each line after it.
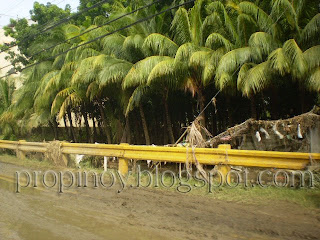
x,y
223,155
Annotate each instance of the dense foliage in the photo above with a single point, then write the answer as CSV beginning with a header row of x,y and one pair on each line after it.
x,y
145,84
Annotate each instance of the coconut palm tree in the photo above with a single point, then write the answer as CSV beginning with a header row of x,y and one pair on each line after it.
x,y
6,96
193,58
277,45
131,48
244,48
137,78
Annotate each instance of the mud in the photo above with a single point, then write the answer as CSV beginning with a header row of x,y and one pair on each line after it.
x,y
87,213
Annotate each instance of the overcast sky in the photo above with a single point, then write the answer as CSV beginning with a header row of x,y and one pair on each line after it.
x,y
20,8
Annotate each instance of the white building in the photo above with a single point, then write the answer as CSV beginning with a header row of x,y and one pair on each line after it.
x,y
4,62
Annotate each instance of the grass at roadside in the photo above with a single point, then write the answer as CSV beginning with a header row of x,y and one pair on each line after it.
x,y
307,197
304,196
28,162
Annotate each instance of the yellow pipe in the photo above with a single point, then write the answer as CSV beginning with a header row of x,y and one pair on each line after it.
x,y
123,163
225,169
223,155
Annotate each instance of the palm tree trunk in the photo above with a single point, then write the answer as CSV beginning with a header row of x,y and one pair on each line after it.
x,y
229,113
201,102
53,129
253,107
214,120
101,130
94,130
144,125
165,130
56,125
86,122
68,130
126,132
129,130
302,99
119,130
71,125
105,124
135,133
53,124
168,119
56,129
275,112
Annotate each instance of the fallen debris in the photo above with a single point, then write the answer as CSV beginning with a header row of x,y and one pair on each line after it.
x,y
286,135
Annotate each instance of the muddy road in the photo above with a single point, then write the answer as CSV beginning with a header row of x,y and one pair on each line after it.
x,y
140,213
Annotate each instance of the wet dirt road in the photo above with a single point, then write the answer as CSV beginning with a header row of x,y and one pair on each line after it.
x,y
88,213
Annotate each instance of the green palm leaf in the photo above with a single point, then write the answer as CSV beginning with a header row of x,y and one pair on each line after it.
x,y
161,45
181,27
312,57
314,80
279,61
138,74
311,31
216,40
253,78
295,57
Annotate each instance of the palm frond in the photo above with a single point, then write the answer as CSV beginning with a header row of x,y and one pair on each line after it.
x,y
254,79
211,66
65,98
181,27
58,62
61,48
112,45
312,57
263,19
263,42
93,90
92,34
160,45
232,60
185,51
168,73
72,100
216,40
132,48
279,61
243,72
135,98
114,72
311,31
223,80
314,80
246,26
295,57
71,30
44,82
138,74
196,23
83,53
284,6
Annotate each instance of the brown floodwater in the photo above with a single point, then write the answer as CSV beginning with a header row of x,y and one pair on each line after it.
x,y
44,214
143,213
